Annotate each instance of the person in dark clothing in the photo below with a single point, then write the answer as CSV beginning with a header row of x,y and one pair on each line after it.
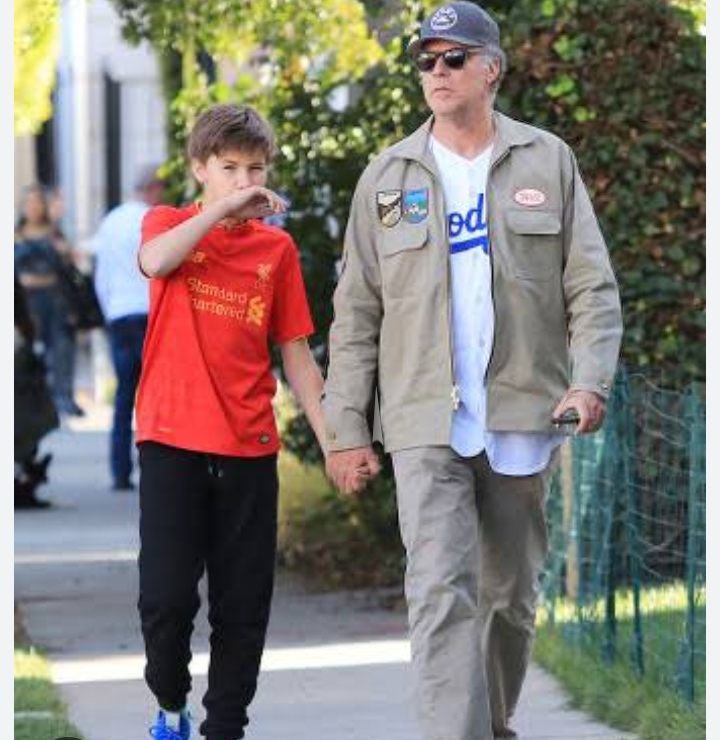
x,y
35,413
40,250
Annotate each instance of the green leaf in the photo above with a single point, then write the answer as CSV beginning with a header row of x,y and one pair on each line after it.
x,y
561,86
548,8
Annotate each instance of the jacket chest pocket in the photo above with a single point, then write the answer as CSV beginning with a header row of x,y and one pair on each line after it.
x,y
535,247
403,251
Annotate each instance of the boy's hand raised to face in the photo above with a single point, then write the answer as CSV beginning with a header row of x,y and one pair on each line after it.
x,y
254,201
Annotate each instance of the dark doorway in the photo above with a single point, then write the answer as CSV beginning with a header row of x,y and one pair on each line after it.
x,y
113,165
45,164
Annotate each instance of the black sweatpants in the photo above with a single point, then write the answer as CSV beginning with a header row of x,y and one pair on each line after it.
x,y
197,512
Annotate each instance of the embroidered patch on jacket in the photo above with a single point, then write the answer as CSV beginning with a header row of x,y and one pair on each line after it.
x,y
415,205
389,206
529,197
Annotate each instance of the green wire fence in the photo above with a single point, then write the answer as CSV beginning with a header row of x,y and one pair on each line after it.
x,y
626,573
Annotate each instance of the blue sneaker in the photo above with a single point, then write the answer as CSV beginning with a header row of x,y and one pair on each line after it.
x,y
162,731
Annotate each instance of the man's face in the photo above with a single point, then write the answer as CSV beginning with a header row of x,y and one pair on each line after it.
x,y
450,92
232,169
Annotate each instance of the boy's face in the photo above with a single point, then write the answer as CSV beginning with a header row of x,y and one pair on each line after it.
x,y
232,169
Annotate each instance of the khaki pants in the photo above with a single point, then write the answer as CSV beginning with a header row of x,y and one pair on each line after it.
x,y
476,543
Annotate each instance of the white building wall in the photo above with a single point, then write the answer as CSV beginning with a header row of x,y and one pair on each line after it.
x,y
24,161
91,46
143,128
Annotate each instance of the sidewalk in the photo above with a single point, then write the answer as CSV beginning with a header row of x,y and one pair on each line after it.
x,y
336,667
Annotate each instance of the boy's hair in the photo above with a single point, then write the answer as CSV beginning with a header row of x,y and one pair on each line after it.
x,y
227,126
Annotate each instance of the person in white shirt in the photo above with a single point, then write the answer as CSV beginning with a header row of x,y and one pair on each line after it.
x,y
123,294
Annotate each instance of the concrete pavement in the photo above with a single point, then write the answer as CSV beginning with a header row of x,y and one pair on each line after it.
x,y
336,666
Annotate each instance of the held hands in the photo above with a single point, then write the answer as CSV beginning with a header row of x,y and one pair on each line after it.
x,y
254,201
351,470
590,408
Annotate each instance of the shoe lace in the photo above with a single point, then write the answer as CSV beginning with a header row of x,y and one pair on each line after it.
x,y
164,733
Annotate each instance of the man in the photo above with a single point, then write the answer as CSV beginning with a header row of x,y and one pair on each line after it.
x,y
123,295
477,300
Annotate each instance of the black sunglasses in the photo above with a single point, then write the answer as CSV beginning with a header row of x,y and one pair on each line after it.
x,y
454,58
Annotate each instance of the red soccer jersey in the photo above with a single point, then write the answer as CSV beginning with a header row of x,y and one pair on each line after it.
x,y
206,382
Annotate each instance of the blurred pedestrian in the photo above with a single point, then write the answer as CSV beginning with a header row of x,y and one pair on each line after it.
x,y
35,414
41,252
76,285
123,295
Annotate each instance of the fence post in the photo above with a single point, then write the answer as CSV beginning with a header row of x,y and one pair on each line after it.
x,y
612,475
611,469
697,441
633,518
568,504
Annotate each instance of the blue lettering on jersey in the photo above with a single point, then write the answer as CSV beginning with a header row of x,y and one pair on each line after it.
x,y
471,223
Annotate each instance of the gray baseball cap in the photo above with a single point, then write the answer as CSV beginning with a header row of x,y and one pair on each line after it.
x,y
459,21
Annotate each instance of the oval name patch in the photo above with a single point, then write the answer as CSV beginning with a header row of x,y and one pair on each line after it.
x,y
529,197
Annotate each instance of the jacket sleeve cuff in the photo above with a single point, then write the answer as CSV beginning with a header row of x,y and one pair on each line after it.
x,y
345,429
601,388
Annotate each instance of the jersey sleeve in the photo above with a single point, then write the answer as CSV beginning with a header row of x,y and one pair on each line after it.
x,y
291,317
156,221
160,219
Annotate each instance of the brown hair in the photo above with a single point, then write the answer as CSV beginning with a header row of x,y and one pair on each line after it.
x,y
228,126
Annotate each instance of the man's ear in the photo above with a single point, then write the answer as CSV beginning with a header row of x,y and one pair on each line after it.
x,y
493,71
199,170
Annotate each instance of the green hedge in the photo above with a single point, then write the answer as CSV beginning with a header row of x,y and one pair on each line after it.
x,y
624,84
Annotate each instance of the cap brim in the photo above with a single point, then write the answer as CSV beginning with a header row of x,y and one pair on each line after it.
x,y
416,44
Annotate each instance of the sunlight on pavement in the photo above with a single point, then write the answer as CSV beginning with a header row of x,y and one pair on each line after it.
x,y
338,655
70,558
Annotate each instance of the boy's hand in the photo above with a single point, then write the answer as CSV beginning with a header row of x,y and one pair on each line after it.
x,y
253,202
351,470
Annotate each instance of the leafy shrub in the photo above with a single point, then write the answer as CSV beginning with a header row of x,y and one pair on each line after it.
x,y
624,85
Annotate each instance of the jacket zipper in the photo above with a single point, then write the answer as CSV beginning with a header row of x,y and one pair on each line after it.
x,y
492,268
455,388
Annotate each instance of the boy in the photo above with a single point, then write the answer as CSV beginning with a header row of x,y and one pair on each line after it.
x,y
223,284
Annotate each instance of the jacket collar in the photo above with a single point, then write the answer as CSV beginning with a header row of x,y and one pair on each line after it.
x,y
508,133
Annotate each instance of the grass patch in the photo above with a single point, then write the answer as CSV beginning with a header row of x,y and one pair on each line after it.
x,y
40,712
652,706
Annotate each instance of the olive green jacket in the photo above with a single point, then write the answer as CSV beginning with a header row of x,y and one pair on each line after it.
x,y
558,321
